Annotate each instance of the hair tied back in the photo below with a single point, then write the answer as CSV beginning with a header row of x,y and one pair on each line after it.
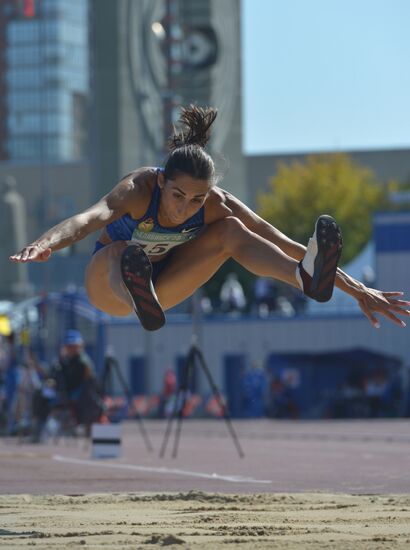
x,y
196,123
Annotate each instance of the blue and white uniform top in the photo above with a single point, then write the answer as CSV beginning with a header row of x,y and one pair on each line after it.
x,y
148,233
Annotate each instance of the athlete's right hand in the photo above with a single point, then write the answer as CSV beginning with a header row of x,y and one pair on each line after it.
x,y
32,253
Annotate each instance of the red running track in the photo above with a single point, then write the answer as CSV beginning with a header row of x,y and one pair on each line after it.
x,y
280,456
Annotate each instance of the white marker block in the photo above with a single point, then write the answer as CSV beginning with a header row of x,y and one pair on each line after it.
x,y
106,440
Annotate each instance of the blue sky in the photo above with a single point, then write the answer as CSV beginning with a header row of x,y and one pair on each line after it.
x,y
325,74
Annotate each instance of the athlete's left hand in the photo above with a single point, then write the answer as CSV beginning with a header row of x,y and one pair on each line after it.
x,y
373,301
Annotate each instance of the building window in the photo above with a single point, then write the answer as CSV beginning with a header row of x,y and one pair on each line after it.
x,y
47,82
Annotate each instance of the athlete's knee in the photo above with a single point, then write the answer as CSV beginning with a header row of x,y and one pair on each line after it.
x,y
230,232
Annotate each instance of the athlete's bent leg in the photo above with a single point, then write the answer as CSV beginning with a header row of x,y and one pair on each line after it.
x,y
194,263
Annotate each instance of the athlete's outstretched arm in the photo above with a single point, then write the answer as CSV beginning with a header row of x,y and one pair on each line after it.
x,y
71,230
370,300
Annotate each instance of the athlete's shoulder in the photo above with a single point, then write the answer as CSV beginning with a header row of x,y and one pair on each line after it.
x,y
141,180
141,183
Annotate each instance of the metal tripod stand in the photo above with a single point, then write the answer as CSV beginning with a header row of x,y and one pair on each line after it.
x,y
111,365
194,355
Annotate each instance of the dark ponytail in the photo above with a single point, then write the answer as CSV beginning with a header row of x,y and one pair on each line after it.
x,y
196,123
187,153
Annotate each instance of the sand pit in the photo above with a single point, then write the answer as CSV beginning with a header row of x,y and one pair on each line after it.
x,y
313,485
206,521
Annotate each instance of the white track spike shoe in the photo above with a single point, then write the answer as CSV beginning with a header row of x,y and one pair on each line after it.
x,y
317,271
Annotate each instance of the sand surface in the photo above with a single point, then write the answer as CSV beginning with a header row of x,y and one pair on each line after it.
x,y
301,485
205,521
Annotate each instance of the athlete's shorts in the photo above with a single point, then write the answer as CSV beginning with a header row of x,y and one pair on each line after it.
x,y
98,246
157,267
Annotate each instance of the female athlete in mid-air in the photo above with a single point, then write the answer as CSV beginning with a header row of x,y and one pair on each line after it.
x,y
166,231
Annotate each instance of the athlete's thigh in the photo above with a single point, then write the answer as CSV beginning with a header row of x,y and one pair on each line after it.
x,y
191,265
97,280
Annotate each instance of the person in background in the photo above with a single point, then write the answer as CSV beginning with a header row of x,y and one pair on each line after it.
x,y
254,386
376,390
11,366
29,381
168,392
232,296
75,379
265,295
283,401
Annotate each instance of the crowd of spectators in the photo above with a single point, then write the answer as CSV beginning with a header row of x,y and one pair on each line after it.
x,y
263,298
372,394
37,400
40,401
366,393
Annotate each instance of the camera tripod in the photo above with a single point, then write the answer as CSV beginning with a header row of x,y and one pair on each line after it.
x,y
194,355
111,365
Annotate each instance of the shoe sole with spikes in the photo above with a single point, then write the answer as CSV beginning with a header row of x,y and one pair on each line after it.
x,y
325,250
136,270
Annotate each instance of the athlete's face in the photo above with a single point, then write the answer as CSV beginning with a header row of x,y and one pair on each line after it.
x,y
181,197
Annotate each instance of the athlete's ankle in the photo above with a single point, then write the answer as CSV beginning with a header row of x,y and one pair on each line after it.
x,y
303,278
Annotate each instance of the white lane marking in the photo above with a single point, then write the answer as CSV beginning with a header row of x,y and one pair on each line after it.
x,y
162,470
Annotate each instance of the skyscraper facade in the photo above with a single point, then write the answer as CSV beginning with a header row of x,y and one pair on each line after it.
x,y
44,104
45,80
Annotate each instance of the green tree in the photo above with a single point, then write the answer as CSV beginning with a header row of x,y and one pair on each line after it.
x,y
326,184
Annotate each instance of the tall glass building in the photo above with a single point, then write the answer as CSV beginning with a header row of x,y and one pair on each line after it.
x,y
45,80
